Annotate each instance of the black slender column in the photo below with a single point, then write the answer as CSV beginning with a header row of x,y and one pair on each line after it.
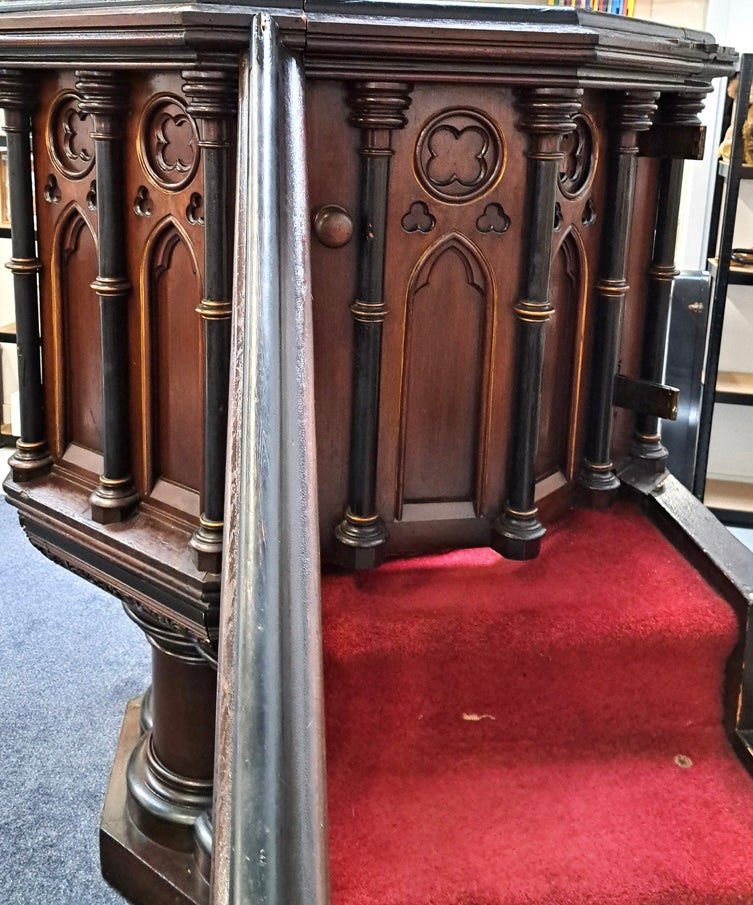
x,y
17,98
547,115
104,97
212,102
630,113
674,110
377,109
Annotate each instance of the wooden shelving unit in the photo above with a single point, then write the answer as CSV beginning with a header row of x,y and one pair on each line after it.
x,y
731,499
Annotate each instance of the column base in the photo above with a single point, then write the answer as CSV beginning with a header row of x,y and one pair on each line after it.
x,y
162,804
206,545
360,542
649,453
142,870
114,502
517,535
29,461
597,486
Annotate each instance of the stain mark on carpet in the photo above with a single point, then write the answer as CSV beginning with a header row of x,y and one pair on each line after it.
x,y
477,717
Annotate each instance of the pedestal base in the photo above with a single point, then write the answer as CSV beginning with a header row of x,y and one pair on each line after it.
x,y
143,871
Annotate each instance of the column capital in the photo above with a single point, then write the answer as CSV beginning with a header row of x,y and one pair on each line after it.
x,y
633,111
379,105
548,110
213,102
683,108
17,98
104,96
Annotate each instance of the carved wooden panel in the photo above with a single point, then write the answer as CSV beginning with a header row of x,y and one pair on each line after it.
x,y
69,317
453,174
445,383
174,369
163,188
559,392
78,310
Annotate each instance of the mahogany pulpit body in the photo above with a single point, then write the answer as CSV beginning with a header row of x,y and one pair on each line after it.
x,y
446,242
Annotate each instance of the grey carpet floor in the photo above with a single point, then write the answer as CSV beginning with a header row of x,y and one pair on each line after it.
x,y
70,660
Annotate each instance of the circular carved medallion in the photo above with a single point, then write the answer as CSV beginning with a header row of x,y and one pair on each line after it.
x,y
460,155
168,143
579,148
69,139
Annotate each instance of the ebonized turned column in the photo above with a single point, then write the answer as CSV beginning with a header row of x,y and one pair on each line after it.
x,y
212,102
169,774
104,96
674,110
17,99
546,114
377,109
630,113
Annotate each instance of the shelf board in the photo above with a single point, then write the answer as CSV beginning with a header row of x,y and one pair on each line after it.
x,y
739,274
746,172
734,388
8,333
731,501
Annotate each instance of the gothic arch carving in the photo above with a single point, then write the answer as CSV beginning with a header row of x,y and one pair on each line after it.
x,y
172,358
446,383
562,398
77,356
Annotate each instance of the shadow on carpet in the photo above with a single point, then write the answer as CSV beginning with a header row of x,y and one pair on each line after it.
x,y
70,659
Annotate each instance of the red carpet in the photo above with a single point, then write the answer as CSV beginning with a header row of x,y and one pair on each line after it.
x,y
504,733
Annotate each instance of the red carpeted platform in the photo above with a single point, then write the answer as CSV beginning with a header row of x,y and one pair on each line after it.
x,y
540,733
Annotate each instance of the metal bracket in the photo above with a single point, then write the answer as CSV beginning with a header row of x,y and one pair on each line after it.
x,y
645,397
678,140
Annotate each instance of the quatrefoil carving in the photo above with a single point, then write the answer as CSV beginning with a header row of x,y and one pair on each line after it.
x,y
52,193
195,209
418,219
459,155
142,203
493,220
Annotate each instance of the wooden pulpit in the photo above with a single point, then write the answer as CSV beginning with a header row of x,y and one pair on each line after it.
x,y
443,235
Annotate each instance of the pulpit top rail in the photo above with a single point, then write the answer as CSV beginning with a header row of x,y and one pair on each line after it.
x,y
423,39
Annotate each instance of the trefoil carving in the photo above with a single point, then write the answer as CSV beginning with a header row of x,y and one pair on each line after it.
x,y
557,216
52,193
142,203
418,219
195,210
493,220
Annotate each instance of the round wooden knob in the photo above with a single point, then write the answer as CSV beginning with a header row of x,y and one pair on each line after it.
x,y
333,225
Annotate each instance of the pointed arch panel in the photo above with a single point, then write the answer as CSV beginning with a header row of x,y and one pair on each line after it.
x,y
79,343
562,378
171,291
446,380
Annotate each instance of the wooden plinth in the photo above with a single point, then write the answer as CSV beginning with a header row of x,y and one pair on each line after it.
x,y
143,871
